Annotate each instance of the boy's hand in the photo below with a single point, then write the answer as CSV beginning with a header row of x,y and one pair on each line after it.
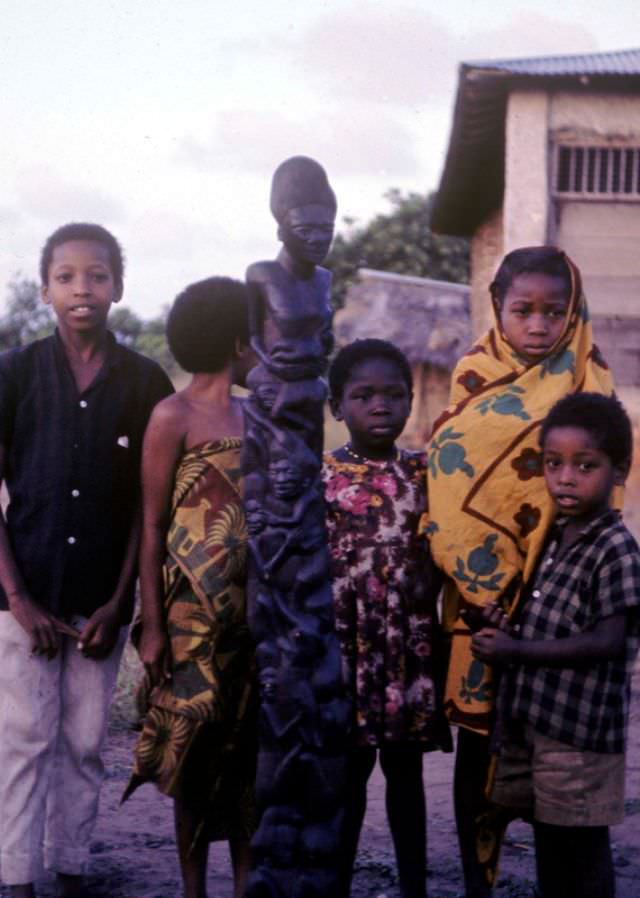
x,y
491,645
494,616
42,627
100,633
491,615
155,654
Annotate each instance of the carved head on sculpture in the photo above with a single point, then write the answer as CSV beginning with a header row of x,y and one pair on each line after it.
x,y
304,205
291,469
254,509
264,386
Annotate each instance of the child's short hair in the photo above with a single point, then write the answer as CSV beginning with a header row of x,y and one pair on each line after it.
x,y
529,260
205,321
603,417
362,350
81,230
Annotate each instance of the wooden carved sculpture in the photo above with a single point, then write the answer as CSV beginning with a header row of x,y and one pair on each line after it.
x,y
304,714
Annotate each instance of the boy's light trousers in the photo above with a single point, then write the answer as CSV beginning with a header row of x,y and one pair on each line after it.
x,y
53,719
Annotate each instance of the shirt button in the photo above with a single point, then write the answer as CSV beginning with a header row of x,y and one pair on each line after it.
x,y
536,593
516,628
71,540
83,403
75,493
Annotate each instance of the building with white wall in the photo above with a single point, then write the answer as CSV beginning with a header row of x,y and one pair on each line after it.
x,y
547,150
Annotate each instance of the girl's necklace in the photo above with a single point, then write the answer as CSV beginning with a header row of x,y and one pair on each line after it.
x,y
362,460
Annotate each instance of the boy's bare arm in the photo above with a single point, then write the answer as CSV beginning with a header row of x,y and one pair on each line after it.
x,y
604,642
42,627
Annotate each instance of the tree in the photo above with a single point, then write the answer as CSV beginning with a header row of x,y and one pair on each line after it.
x,y
126,325
400,241
152,342
27,318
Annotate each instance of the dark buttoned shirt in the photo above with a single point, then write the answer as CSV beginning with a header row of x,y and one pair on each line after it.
x,y
72,468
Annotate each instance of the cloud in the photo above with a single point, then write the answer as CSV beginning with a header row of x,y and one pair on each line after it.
x,y
528,34
347,140
377,54
44,194
162,233
403,55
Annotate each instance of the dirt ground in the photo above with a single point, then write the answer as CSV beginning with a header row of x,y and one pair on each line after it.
x,y
133,853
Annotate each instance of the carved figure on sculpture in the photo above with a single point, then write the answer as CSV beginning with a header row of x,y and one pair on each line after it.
x,y
304,713
290,308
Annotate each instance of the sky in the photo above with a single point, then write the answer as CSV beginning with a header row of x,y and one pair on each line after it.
x,y
164,119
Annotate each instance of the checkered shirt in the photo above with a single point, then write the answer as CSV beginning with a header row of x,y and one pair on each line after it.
x,y
596,577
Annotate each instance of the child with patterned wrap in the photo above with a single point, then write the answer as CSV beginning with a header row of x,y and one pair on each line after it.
x,y
198,740
489,511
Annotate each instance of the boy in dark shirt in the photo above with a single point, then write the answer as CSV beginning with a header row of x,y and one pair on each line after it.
x,y
73,409
565,695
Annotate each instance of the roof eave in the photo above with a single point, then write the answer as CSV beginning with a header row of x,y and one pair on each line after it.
x,y
472,182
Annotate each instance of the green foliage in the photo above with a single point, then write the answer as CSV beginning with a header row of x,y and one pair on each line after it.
x,y
400,241
27,318
146,337
126,325
152,342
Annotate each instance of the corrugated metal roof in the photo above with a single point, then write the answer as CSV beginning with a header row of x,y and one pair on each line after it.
x,y
472,181
620,62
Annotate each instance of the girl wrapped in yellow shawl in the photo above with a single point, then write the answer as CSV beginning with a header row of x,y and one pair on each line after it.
x,y
489,510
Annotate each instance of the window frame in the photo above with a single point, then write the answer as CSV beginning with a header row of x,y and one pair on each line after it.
x,y
599,170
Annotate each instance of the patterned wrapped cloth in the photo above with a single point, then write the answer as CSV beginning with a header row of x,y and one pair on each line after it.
x,y
489,510
199,733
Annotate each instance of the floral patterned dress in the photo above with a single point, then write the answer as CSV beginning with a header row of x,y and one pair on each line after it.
x,y
385,588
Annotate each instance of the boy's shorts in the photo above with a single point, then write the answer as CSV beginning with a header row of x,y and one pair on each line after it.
x,y
555,783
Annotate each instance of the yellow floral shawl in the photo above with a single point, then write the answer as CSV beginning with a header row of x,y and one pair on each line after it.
x,y
489,510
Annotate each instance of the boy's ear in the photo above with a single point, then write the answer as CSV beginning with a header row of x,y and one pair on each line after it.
x,y
621,472
117,296
44,293
336,408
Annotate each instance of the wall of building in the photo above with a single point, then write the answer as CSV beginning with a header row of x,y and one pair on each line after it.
x,y
523,219
588,115
487,250
526,169
603,236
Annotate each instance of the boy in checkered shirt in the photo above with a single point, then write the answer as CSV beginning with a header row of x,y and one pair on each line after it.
x,y
568,655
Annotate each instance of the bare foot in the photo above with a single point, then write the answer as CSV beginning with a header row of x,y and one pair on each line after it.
x,y
71,886
23,891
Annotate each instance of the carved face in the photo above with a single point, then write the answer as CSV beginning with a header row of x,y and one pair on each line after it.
x,y
256,516
266,394
307,232
287,478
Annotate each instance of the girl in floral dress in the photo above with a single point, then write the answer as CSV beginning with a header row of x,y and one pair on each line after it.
x,y
385,590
